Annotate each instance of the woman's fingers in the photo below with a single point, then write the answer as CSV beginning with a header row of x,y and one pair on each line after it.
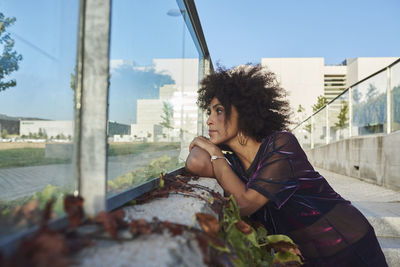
x,y
201,142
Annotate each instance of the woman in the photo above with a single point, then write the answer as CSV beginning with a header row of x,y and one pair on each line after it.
x,y
268,173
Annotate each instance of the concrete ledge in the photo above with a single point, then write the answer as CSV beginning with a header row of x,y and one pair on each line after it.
x,y
151,251
156,249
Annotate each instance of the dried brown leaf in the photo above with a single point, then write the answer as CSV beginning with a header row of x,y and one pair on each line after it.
x,y
73,206
243,227
47,248
208,223
283,246
174,229
140,226
109,223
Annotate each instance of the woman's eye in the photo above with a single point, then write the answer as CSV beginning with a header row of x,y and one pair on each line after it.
x,y
219,110
208,112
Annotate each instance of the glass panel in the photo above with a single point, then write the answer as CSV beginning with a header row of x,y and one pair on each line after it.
x,y
38,41
369,106
338,117
154,81
395,83
319,128
303,134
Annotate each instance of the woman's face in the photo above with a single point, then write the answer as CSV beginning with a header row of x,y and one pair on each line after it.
x,y
221,131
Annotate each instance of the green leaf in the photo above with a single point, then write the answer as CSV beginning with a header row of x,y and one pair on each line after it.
x,y
285,257
279,238
219,248
261,234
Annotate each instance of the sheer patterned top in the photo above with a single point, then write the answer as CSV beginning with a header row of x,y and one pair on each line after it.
x,y
301,203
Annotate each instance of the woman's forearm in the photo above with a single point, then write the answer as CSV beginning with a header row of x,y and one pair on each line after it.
x,y
198,162
248,200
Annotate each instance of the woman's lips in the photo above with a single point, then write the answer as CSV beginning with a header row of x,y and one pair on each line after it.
x,y
210,132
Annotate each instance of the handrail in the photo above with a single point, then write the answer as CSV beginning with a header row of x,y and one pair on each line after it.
x,y
346,90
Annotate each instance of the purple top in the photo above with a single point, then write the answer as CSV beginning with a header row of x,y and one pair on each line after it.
x,y
301,203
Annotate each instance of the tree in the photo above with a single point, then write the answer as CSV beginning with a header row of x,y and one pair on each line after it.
x,y
4,134
321,101
9,58
342,116
372,92
300,109
168,113
300,114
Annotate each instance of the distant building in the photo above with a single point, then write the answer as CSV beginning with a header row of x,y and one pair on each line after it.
x,y
362,67
181,96
335,78
64,129
303,78
9,124
115,128
307,78
50,129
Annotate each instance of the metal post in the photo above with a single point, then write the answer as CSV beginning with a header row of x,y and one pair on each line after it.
x,y
389,101
350,112
312,131
204,70
327,124
91,154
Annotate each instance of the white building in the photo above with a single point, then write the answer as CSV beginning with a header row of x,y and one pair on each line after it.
x,y
335,78
307,78
181,95
362,67
49,128
303,78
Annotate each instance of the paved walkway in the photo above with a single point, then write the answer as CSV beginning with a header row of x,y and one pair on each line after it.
x,y
356,190
381,206
25,181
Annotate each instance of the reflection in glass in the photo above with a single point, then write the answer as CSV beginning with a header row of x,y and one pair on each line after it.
x,y
153,88
370,106
319,128
36,108
395,83
338,117
303,134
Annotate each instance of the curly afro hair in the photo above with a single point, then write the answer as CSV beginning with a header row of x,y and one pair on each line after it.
x,y
255,93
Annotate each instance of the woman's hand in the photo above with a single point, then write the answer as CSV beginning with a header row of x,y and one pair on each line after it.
x,y
205,144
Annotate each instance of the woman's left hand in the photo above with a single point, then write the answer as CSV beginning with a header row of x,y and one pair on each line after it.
x,y
205,144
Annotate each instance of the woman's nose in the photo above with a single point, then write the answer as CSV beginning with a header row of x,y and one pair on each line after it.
x,y
208,122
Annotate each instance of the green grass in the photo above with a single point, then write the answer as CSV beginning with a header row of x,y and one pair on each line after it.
x,y
20,157
134,149
159,165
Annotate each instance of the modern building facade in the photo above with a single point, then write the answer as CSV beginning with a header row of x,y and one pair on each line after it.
x,y
307,78
180,97
335,78
303,78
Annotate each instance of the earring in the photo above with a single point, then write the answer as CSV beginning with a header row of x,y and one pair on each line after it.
x,y
242,139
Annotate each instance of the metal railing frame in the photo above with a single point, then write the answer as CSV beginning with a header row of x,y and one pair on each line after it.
x,y
349,90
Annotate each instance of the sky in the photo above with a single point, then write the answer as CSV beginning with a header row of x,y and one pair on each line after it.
x,y
236,32
240,32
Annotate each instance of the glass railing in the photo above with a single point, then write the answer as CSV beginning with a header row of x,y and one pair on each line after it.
x,y
395,97
154,70
38,40
97,98
362,109
154,78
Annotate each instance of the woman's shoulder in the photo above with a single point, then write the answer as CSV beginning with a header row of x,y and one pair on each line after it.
x,y
284,137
